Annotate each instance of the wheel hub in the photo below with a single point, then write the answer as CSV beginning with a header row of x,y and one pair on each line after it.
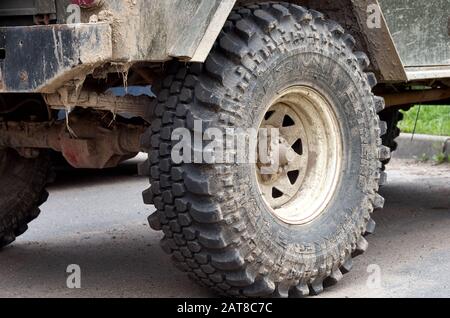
x,y
284,155
306,155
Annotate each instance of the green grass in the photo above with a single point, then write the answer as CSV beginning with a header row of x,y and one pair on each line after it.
x,y
433,120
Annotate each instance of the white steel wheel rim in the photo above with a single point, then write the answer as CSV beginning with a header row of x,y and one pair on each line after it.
x,y
310,155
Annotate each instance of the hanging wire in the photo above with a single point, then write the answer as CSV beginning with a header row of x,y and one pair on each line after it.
x,y
415,123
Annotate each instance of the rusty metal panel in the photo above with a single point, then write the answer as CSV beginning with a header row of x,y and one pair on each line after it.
x,y
157,30
420,30
41,58
151,30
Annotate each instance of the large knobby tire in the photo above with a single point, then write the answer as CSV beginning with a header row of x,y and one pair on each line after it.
x,y
22,191
217,225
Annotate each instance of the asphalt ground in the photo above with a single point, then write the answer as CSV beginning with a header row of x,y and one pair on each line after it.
x,y
96,220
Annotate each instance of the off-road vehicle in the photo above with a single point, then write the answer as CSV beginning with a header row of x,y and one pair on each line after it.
x,y
329,76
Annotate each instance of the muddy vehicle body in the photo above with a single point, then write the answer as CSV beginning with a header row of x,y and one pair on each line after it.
x,y
329,76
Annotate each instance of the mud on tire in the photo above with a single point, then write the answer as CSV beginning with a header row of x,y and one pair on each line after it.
x,y
215,223
22,191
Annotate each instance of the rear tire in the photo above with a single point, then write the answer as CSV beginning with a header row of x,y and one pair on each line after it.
x,y
218,227
392,117
22,191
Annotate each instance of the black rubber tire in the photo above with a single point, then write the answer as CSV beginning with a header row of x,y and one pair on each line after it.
x,y
392,117
216,227
22,191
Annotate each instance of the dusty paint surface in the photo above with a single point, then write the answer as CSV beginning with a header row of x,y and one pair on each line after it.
x,y
420,30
